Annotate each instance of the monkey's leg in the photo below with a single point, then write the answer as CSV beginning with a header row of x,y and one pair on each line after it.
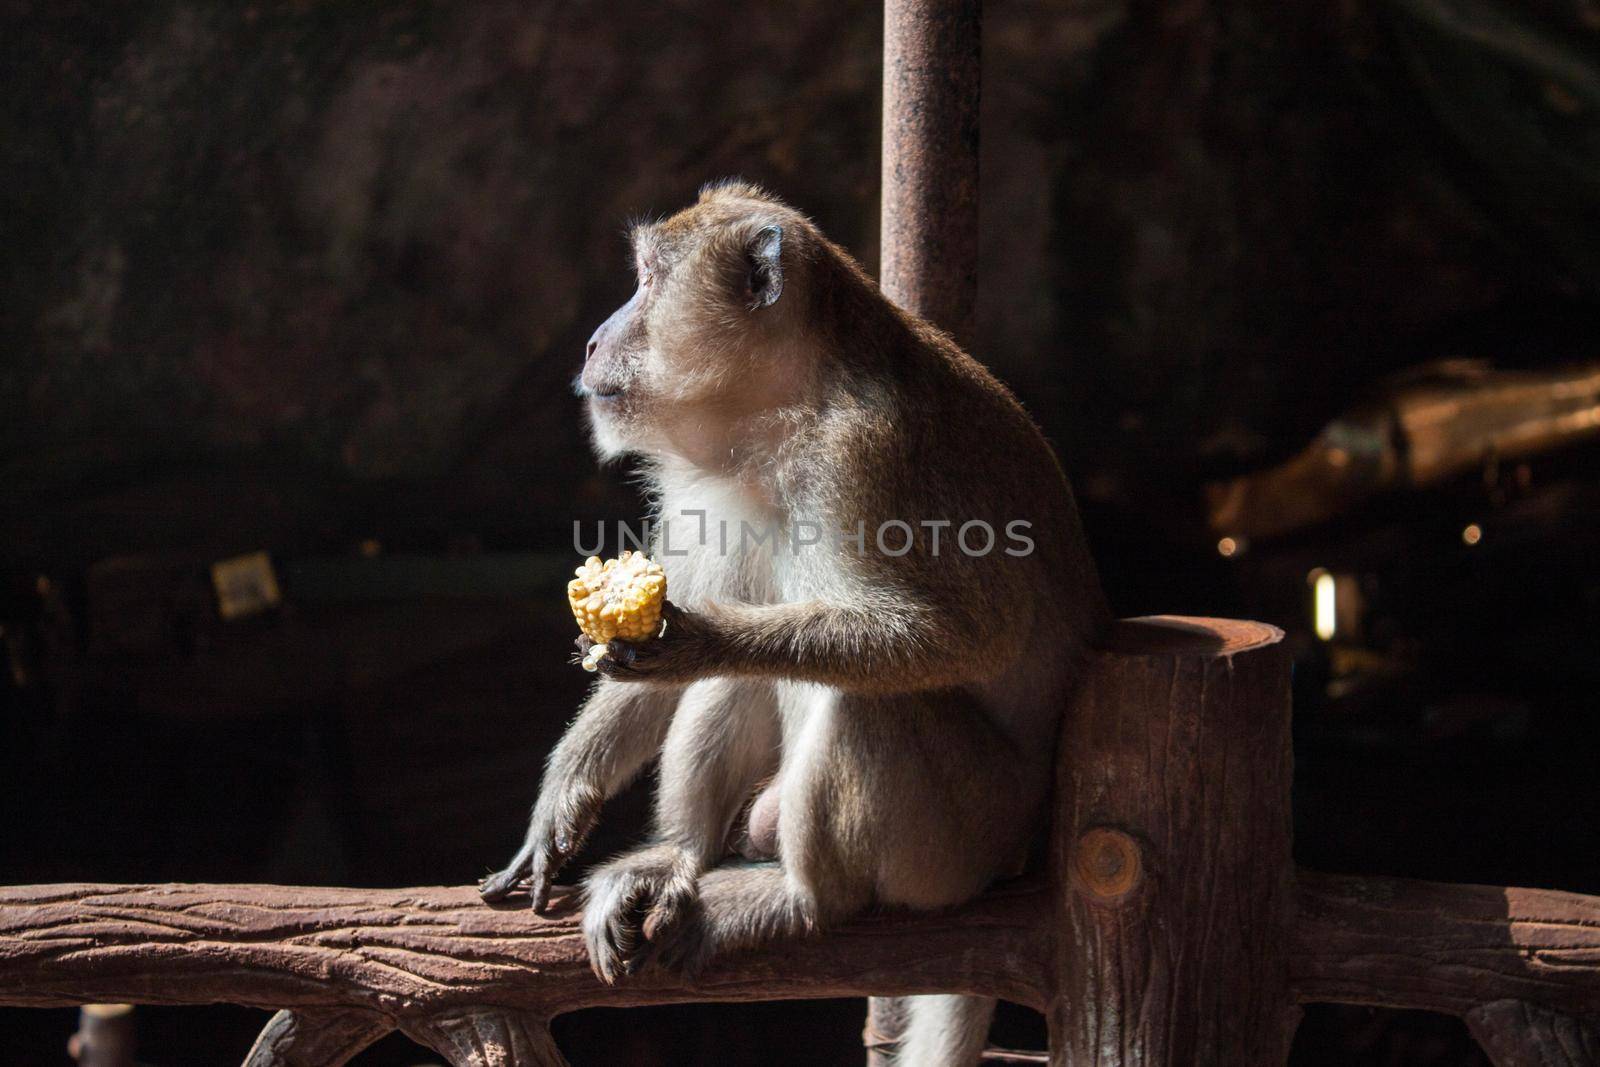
x,y
938,1030
914,800
723,740
972,779
616,732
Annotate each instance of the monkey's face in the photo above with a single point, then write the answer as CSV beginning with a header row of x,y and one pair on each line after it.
x,y
699,345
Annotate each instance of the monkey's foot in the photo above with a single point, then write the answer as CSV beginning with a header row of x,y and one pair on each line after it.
x,y
633,901
502,884
684,949
739,905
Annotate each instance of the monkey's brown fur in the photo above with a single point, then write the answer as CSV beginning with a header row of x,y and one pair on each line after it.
x,y
904,706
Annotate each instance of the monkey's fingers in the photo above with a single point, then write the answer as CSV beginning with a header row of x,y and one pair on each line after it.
x,y
542,877
502,884
622,660
559,847
670,614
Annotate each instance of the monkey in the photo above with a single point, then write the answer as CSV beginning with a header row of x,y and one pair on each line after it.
x,y
891,701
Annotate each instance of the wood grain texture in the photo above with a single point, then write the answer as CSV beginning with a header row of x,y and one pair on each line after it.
x,y
1516,1034
1398,943
412,953
1170,928
316,1037
488,1038
1172,855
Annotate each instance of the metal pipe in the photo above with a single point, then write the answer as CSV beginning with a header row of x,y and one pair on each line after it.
x,y
929,228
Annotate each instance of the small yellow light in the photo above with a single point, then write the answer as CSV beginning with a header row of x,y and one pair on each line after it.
x,y
1227,548
1472,534
1324,603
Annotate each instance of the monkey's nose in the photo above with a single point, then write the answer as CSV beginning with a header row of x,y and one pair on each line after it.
x,y
588,352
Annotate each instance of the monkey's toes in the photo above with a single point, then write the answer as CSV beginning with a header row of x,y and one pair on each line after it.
x,y
683,948
539,892
498,886
611,918
674,904
610,940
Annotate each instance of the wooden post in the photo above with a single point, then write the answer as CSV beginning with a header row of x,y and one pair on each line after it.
x,y
1171,854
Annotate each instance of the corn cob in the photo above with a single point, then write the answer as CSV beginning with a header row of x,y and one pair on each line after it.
x,y
620,598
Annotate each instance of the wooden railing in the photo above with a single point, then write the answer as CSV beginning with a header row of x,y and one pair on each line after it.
x,y
1170,926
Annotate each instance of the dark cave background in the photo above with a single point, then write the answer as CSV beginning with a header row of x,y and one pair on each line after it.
x,y
311,278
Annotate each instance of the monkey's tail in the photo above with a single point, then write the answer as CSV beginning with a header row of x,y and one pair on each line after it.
x,y
929,1031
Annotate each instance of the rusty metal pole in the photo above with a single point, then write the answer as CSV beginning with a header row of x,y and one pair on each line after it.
x,y
929,228
930,160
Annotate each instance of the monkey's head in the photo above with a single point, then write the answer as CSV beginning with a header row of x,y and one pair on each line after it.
x,y
710,336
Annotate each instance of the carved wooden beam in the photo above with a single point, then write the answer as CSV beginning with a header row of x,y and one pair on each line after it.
x,y
1448,948
316,1037
1170,927
404,953
354,964
1517,1034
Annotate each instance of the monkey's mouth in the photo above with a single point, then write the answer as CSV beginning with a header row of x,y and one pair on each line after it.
x,y
602,393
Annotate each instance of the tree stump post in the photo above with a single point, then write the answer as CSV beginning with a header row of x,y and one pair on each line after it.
x,y
1171,854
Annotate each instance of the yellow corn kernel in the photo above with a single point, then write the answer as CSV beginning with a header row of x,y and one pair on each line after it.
x,y
619,598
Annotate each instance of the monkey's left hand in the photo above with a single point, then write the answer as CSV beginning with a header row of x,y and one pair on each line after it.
x,y
687,649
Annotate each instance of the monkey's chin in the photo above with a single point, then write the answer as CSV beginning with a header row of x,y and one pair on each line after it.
x,y
608,429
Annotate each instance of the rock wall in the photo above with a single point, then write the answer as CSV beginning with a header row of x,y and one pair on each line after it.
x,y
296,273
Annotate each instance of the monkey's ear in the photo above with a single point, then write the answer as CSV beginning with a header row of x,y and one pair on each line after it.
x,y
764,259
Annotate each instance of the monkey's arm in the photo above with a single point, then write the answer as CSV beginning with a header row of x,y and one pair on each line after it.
x,y
618,730
888,648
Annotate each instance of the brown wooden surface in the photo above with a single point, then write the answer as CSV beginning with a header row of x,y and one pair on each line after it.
x,y
1449,948
1173,851
1515,1034
1171,928
316,1037
414,952
488,1038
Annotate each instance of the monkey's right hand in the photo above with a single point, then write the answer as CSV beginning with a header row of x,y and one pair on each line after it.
x,y
561,822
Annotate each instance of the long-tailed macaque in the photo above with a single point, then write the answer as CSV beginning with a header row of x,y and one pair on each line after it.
x,y
889,692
